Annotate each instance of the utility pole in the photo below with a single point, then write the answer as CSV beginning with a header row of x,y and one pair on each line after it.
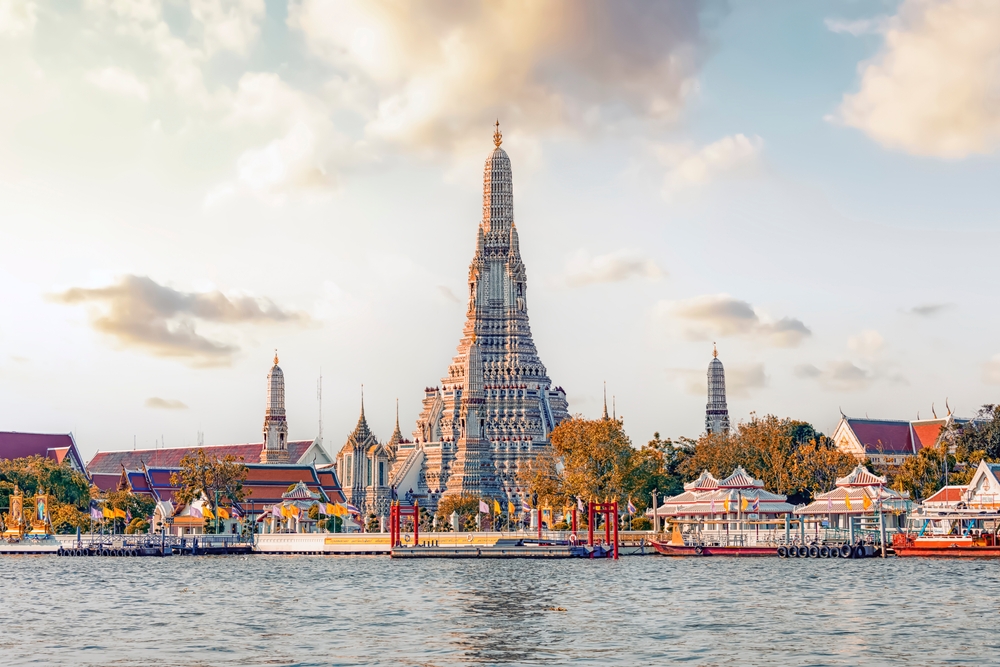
x,y
319,399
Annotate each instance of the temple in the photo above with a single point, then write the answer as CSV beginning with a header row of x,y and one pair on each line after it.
x,y
365,464
495,407
275,449
716,410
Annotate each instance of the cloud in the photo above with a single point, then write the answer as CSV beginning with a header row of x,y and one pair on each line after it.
x,y
693,167
932,88
720,315
433,73
18,17
231,25
118,81
929,309
837,376
991,370
165,403
140,313
868,343
584,269
858,27
740,380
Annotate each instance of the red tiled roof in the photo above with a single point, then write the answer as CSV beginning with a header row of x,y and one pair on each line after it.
x,y
134,459
56,446
927,433
883,436
106,481
948,494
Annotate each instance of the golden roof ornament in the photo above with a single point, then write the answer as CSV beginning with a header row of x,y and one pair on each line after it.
x,y
275,356
715,352
497,134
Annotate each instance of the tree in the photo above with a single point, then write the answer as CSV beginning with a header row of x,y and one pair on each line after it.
x,y
200,474
921,474
655,468
979,437
66,519
37,472
467,506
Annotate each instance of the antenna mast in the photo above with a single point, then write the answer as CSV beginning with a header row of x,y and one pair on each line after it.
x,y
319,399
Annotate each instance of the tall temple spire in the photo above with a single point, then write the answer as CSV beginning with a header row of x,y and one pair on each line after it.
x,y
604,415
275,447
496,406
716,410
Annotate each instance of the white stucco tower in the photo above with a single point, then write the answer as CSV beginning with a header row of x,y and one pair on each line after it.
x,y
716,411
275,448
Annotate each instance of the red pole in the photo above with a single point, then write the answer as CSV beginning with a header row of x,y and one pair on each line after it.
x,y
574,521
590,523
616,529
416,524
607,522
539,522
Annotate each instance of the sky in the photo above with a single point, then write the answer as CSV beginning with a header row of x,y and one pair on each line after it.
x,y
187,187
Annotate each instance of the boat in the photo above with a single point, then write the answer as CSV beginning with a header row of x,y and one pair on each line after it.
x,y
737,546
950,533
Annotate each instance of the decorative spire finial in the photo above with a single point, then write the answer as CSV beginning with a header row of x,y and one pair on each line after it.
x,y
715,351
497,134
605,413
362,401
275,356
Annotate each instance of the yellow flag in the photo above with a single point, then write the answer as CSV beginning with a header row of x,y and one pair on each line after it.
x,y
496,507
746,503
847,501
223,513
108,513
206,512
725,503
866,501
119,514
331,510
510,508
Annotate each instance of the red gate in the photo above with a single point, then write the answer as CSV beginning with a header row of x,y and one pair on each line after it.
x,y
398,512
609,510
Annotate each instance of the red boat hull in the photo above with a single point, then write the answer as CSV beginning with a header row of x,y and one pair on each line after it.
x,y
949,552
667,549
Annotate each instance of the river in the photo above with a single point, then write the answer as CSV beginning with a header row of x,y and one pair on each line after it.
x,y
315,610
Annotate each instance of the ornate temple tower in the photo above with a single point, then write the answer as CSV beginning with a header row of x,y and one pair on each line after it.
x,y
716,411
275,449
495,407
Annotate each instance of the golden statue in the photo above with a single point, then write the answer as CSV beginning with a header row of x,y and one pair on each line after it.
x,y
15,515
41,524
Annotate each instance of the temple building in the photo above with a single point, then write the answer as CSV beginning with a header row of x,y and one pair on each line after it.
x,y
496,406
890,441
105,469
716,410
860,493
60,447
365,465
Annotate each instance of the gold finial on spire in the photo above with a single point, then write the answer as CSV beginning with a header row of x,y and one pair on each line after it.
x,y
497,134
715,351
275,356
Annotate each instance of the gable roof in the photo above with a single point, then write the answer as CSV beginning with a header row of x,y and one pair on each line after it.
x,y
883,436
927,432
59,447
861,476
948,494
134,459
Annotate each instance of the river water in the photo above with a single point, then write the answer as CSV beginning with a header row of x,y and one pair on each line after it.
x,y
315,610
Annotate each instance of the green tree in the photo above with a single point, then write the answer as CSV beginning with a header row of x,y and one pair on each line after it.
x,y
979,438
37,472
201,474
922,474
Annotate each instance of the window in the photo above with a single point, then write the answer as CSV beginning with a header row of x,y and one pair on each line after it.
x,y
381,473
368,480
348,469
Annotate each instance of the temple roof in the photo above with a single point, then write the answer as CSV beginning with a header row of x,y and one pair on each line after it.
x,y
704,482
861,476
883,436
134,459
741,480
56,446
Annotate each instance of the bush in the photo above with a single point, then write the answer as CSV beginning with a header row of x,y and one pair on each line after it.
x,y
642,523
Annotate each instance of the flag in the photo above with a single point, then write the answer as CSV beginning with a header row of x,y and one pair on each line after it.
x,y
725,504
496,507
755,506
195,511
276,511
352,509
829,504
331,510
108,513
223,514
525,507
128,516
95,512
631,507
579,503
510,508
745,504
713,506
119,513
847,501
235,511
866,501
206,512
483,507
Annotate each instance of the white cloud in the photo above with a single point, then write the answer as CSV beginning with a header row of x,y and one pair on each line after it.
x,y
231,25
165,403
933,87
17,17
582,268
867,343
118,81
837,376
434,74
719,315
692,167
991,370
